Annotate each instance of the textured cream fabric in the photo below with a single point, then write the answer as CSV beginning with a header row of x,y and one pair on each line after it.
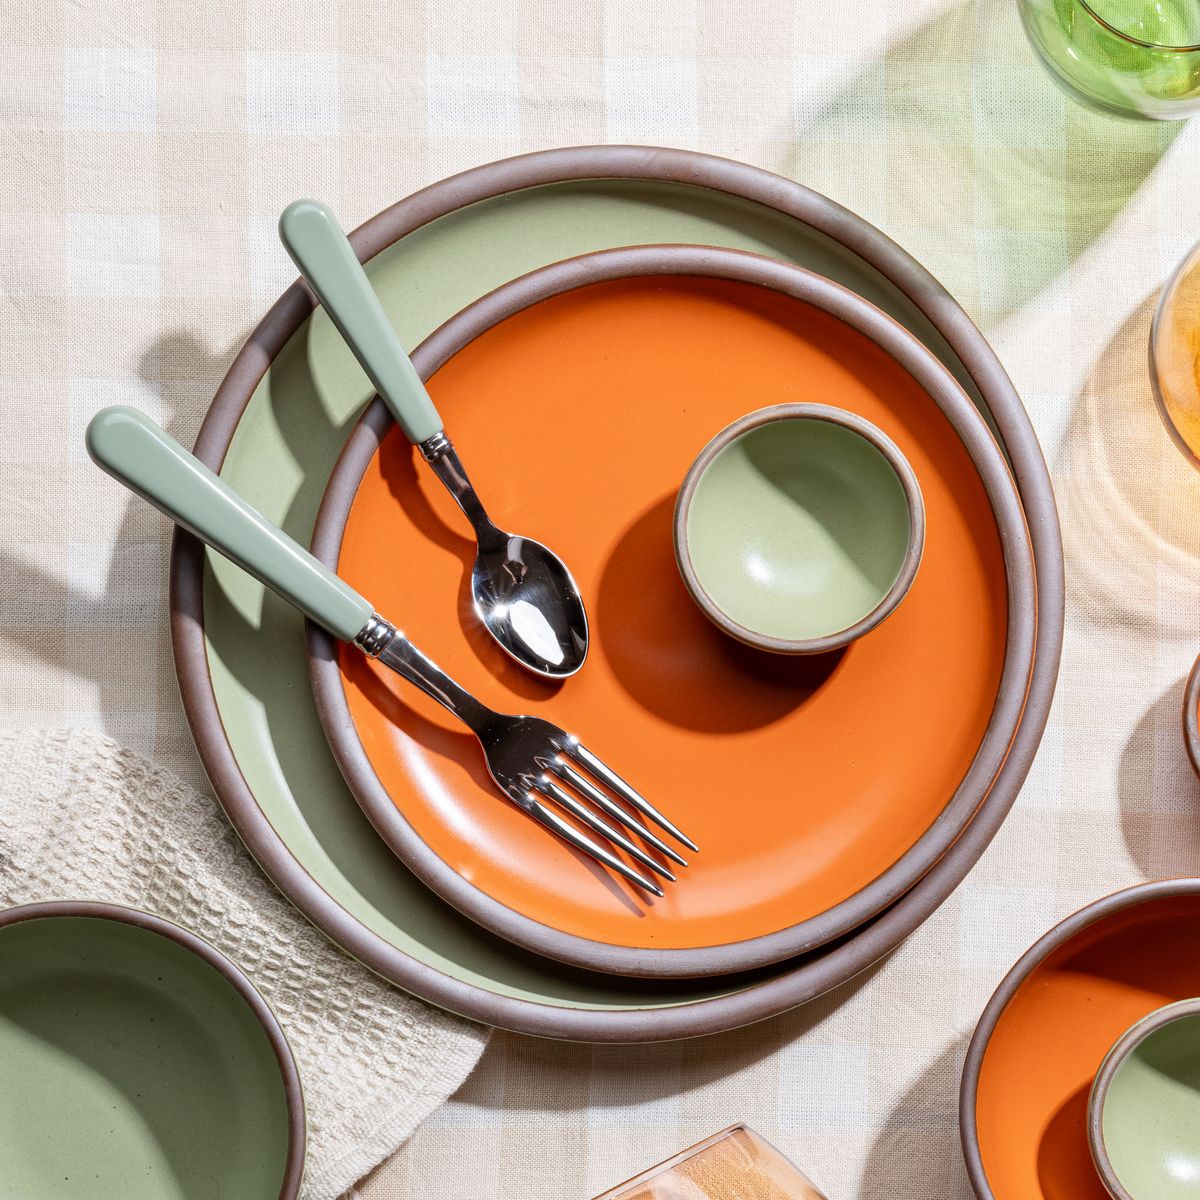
x,y
83,818
147,150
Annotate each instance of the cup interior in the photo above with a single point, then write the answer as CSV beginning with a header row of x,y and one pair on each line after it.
x,y
799,528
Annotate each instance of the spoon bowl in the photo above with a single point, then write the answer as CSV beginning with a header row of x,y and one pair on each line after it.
x,y
530,604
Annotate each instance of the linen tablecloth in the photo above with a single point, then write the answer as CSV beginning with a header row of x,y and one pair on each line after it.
x,y
147,150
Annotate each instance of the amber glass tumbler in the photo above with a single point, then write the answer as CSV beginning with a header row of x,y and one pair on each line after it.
x,y
1175,355
735,1164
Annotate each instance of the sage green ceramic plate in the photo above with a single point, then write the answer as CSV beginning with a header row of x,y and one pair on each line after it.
x,y
137,1063
275,430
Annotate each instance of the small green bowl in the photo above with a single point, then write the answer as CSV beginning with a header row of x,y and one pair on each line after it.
x,y
1144,1108
799,528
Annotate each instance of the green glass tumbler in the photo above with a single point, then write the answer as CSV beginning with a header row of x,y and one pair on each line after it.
x,y
1133,58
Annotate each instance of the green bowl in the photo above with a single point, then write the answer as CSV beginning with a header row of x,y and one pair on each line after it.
x,y
1144,1108
799,528
137,1063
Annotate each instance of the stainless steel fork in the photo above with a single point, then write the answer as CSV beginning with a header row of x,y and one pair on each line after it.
x,y
526,755
534,763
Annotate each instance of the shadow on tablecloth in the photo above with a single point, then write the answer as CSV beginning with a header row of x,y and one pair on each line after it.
x,y
917,1152
1159,792
957,143
1128,499
105,632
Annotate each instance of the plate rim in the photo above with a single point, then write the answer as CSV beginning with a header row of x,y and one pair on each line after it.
x,y
759,1000
264,1014
914,359
1056,936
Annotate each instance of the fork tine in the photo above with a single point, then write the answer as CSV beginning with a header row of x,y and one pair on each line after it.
x,y
569,833
577,750
598,825
591,792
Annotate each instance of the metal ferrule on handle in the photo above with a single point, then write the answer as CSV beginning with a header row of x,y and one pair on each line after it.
x,y
373,638
380,639
397,652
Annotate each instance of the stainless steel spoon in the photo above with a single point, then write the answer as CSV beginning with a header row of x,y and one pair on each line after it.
x,y
522,592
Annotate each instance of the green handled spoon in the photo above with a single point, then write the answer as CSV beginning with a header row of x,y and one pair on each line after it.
x,y
522,592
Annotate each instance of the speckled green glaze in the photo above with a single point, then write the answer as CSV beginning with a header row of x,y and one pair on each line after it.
x,y
1150,1117
130,1069
798,528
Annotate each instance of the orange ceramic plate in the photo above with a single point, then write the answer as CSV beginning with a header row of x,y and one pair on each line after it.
x,y
1042,1038
805,781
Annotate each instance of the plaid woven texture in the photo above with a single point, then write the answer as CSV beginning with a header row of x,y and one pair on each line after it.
x,y
145,152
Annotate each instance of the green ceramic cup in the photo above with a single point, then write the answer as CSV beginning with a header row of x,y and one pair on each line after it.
x,y
799,528
1144,1108
138,1063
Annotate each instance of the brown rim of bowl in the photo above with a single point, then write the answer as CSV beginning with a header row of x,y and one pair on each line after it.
x,y
1133,1037
1050,941
913,500
937,382
807,979
233,974
1191,716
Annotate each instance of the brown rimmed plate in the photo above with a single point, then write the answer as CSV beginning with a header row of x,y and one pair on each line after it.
x,y
275,429
818,790
138,1063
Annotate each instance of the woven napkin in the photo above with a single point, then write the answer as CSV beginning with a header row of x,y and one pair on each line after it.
x,y
82,818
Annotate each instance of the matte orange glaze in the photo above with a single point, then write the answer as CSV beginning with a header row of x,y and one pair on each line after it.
x,y
1031,1103
801,779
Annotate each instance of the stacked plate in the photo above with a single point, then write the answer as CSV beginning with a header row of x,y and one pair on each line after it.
x,y
837,800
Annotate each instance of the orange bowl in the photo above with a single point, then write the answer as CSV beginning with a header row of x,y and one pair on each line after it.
x,y
818,789
1045,1032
